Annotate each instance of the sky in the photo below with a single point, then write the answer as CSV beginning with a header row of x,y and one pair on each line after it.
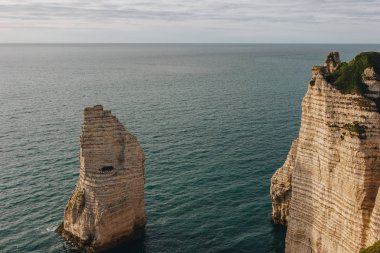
x,y
182,21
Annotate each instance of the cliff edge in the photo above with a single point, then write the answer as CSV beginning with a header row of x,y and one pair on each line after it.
x,y
327,192
106,207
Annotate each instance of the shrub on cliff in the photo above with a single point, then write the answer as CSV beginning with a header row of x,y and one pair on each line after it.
x,y
356,128
372,249
348,77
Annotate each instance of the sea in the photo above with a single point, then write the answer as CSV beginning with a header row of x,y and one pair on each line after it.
x,y
215,122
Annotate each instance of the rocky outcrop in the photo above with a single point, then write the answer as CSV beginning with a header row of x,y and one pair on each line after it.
x,y
106,207
281,188
328,189
332,62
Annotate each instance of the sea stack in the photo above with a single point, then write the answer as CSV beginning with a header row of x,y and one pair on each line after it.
x,y
327,192
106,208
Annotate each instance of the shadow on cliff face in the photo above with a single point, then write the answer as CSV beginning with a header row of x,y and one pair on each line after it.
x,y
279,234
377,102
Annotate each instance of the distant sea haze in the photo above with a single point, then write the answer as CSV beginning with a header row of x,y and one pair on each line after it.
x,y
215,122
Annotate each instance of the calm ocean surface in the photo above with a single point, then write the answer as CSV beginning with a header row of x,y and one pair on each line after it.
x,y
215,122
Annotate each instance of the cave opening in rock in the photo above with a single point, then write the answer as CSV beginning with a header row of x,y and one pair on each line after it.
x,y
106,168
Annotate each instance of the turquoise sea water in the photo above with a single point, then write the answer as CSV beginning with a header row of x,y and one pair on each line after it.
x,y
215,122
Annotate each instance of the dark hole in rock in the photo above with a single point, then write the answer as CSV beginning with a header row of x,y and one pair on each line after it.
x,y
106,168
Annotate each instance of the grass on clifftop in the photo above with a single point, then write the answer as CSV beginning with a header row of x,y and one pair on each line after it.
x,y
348,77
375,248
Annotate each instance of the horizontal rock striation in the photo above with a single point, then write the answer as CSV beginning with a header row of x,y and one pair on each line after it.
x,y
328,189
106,207
281,188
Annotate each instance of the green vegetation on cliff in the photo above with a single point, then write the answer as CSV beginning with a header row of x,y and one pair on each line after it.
x,y
348,77
375,248
356,128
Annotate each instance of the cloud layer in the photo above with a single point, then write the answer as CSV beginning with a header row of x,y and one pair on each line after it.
x,y
215,20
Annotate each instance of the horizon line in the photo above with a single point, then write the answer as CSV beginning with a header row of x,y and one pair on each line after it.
x,y
186,43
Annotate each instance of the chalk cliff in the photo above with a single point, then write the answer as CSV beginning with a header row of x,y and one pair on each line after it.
x,y
327,192
106,207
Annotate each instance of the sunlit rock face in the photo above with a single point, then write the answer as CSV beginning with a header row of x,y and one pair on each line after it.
x,y
372,80
106,208
327,192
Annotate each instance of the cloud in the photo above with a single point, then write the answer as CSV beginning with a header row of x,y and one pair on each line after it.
x,y
174,10
234,14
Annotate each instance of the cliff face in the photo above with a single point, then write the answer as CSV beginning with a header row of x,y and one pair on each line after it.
x,y
106,207
328,189
281,187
